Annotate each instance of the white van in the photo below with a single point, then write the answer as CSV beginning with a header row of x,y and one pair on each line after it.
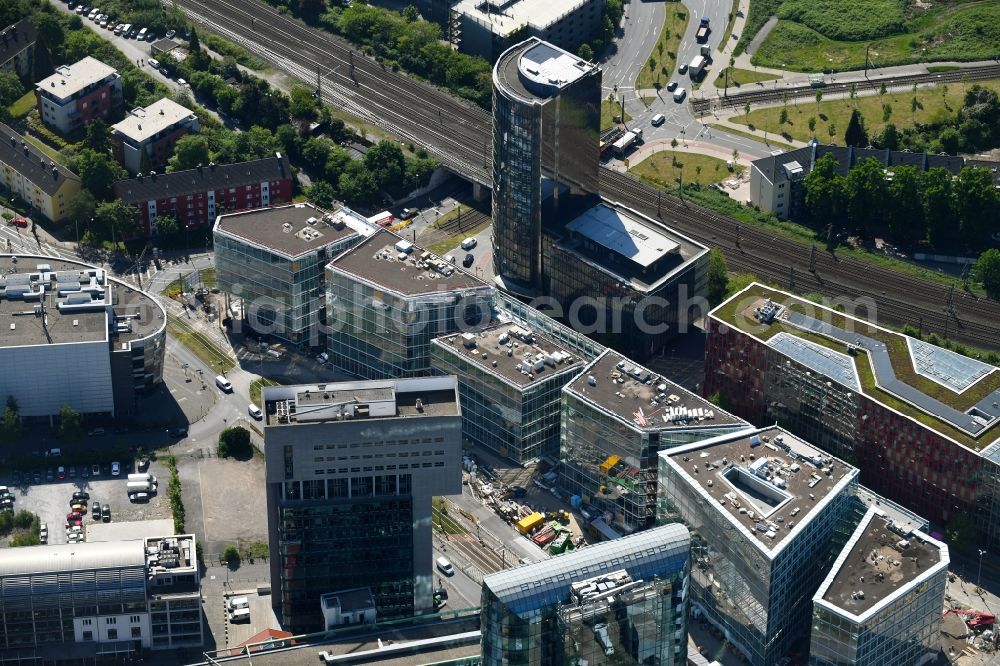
x,y
140,487
658,120
241,615
444,566
255,412
223,384
142,35
469,243
127,30
679,95
142,476
236,603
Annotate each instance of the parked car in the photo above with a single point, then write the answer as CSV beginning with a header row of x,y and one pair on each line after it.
x,y
43,533
154,63
171,33
81,495
36,478
138,497
72,472
50,474
95,432
180,431
20,221
95,470
143,464
683,68
671,86
323,357
78,507
181,82
468,261
106,513
408,213
95,511
116,469
518,491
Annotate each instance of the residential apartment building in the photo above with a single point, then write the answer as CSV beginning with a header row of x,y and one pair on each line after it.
x,y
510,383
272,260
17,47
919,421
351,468
616,417
126,596
766,511
616,602
76,94
881,603
196,197
26,172
145,140
485,28
75,336
387,299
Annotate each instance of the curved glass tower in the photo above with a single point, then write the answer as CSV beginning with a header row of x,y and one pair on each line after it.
x,y
546,144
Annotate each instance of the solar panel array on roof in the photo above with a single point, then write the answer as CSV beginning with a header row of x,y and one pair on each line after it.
x,y
833,364
946,367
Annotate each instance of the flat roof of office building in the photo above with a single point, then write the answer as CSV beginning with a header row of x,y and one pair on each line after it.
x,y
140,314
624,234
627,390
878,564
766,481
377,399
71,557
142,124
515,353
71,79
293,230
377,261
534,70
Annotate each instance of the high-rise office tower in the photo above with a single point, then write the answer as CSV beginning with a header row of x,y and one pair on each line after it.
x,y
546,146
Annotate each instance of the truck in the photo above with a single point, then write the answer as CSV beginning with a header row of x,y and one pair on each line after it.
x,y
625,142
697,66
144,476
140,487
703,30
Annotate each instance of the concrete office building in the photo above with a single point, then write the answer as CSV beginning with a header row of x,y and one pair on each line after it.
x,y
387,299
510,382
616,417
881,603
28,173
272,260
196,197
919,420
145,139
546,135
765,510
78,93
348,607
485,27
126,596
612,603
73,335
17,47
350,470
626,279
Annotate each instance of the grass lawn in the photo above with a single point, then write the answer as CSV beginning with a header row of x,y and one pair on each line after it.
x,y
208,278
729,26
256,386
934,105
664,54
23,106
609,110
661,170
741,77
442,248
442,519
770,140
202,347
832,35
44,147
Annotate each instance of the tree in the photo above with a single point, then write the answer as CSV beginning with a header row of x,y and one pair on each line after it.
x,y
315,152
939,207
889,138
783,118
235,443
98,171
819,96
190,151
812,123
167,225
81,209
194,44
321,193
118,220
746,109
231,556
98,138
986,271
356,185
302,103
886,112
11,89
311,8
718,277
411,14
10,426
905,209
70,425
825,195
50,30
976,203
856,134
882,89
866,195
585,52
387,165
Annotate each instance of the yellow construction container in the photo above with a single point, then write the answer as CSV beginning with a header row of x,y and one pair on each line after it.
x,y
608,464
528,523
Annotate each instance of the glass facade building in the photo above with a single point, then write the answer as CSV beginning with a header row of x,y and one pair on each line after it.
x,y
351,469
904,452
620,602
383,310
546,144
766,513
881,603
510,395
273,259
609,452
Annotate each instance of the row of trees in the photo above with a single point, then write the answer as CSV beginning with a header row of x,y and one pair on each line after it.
x,y
911,206
975,128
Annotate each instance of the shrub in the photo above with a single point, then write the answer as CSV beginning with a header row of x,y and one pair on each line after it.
x,y
231,556
235,443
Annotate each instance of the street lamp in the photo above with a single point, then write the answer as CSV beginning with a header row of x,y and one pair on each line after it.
x,y
979,577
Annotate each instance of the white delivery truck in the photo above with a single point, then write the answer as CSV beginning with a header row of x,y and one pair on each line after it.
x,y
140,487
697,65
143,476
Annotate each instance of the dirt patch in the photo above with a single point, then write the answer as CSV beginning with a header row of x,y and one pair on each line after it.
x,y
233,500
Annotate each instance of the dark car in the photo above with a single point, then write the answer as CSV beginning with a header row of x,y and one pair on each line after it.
x,y
178,432
106,513
468,261
50,475
518,491
96,511
81,495
143,464
36,478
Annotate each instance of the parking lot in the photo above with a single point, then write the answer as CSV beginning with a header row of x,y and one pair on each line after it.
x,y
224,501
50,501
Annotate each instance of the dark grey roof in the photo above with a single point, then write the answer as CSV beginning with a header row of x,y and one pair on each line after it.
x,y
15,38
213,177
164,45
24,158
848,157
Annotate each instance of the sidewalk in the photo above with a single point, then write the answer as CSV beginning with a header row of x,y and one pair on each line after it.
x,y
683,146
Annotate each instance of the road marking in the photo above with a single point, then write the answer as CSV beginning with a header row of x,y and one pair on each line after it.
x,y
181,399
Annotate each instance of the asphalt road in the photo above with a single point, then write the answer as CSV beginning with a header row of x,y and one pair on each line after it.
x,y
641,28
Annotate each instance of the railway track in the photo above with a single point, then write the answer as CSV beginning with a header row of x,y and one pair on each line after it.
x,y
980,73
457,134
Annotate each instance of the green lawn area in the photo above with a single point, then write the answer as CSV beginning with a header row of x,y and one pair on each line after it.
x,y
833,35
443,520
23,106
741,77
609,110
442,248
44,147
256,386
661,170
934,105
771,141
664,54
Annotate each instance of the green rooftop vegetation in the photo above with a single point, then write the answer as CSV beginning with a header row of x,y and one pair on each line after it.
x,y
732,313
